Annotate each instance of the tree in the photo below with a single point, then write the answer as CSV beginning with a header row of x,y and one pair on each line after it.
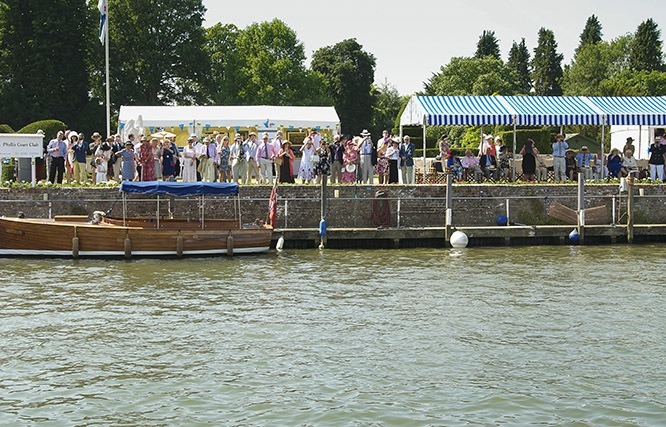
x,y
348,73
261,64
519,63
386,108
488,45
43,52
157,54
593,64
645,52
472,76
547,65
591,33
225,80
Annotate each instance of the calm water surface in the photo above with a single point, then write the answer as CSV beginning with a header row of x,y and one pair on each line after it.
x,y
483,336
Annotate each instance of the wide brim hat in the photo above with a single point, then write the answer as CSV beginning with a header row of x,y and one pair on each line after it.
x,y
630,139
350,167
365,133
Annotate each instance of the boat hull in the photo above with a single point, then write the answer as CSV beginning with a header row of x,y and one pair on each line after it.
x,y
39,237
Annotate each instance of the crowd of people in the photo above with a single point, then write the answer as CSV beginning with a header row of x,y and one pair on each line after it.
x,y
345,159
262,160
494,161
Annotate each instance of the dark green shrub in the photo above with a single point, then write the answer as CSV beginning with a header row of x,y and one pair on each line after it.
x,y
6,129
50,128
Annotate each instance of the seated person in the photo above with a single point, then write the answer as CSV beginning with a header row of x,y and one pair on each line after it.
x,y
541,170
583,160
629,163
570,162
453,164
505,162
614,164
470,165
488,164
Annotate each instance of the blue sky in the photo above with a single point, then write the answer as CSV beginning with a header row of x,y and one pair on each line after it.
x,y
410,45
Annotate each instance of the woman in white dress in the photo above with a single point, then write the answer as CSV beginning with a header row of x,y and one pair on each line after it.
x,y
102,157
189,163
306,170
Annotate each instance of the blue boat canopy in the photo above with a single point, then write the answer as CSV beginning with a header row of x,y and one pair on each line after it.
x,y
180,188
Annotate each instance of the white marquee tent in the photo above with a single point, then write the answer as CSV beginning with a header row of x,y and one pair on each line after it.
x,y
195,118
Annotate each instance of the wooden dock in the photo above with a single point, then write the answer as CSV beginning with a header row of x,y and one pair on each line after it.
x,y
512,235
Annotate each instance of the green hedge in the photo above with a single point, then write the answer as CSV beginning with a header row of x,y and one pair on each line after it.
x,y
6,129
50,128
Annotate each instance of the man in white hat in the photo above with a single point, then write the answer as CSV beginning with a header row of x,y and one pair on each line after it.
x,y
407,160
238,158
365,149
265,153
251,146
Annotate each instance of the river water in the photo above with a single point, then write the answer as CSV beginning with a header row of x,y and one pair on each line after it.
x,y
483,336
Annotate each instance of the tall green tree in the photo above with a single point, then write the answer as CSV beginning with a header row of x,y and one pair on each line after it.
x,y
386,108
273,65
261,64
157,52
519,63
547,65
591,33
594,64
225,80
646,53
43,52
488,45
348,73
472,76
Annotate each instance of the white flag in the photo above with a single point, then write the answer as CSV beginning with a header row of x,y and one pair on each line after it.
x,y
103,19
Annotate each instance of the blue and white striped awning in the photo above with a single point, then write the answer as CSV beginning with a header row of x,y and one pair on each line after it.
x,y
456,110
553,111
632,110
534,110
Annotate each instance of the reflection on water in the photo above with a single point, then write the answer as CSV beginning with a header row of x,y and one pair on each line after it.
x,y
546,335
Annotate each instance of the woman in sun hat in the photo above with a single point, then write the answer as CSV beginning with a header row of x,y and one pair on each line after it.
x,y
350,160
286,163
130,159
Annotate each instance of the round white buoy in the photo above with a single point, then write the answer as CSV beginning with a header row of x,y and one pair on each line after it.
x,y
459,239
280,243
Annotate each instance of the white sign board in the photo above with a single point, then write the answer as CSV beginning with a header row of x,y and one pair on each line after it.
x,y
21,145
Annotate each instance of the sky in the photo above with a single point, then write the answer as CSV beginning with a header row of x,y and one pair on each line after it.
x,y
410,45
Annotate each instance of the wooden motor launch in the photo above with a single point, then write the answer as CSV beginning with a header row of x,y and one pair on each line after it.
x,y
79,236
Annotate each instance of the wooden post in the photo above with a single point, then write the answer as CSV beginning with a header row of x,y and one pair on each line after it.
x,y
630,210
581,208
449,208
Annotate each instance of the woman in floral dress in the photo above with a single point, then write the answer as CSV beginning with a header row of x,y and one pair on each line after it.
x,y
224,169
349,161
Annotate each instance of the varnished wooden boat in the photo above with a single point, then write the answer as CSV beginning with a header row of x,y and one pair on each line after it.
x,y
77,236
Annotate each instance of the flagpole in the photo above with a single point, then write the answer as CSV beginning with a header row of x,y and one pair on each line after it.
x,y
108,90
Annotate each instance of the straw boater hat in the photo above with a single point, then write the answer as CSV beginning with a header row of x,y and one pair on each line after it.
x,y
396,139
365,133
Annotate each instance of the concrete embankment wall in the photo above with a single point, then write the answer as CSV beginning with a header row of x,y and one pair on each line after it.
x,y
352,206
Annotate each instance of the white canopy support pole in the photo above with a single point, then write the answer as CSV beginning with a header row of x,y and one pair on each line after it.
x,y
424,151
513,169
603,138
640,139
